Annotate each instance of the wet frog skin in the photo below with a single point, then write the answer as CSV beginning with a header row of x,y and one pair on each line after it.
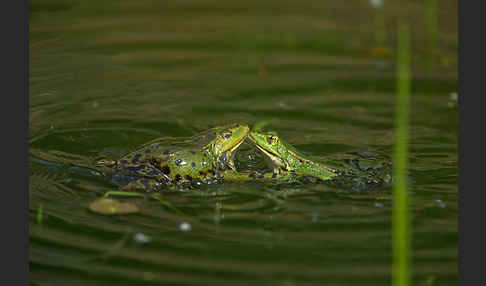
x,y
284,159
207,158
152,167
361,172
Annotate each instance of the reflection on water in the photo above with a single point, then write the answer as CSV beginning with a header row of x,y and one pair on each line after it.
x,y
108,77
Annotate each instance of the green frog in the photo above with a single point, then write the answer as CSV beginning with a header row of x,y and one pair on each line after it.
x,y
205,158
285,160
364,171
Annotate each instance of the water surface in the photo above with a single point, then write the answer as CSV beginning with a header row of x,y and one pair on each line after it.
x,y
106,77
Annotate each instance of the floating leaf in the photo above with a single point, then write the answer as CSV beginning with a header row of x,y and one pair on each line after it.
x,y
155,196
111,206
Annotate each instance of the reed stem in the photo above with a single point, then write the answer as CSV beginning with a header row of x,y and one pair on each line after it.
x,y
401,221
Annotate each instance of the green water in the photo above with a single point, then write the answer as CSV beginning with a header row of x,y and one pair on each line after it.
x,y
108,76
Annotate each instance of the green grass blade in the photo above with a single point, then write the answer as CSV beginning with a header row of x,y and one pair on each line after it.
x,y
123,194
262,123
400,221
168,205
155,196
39,214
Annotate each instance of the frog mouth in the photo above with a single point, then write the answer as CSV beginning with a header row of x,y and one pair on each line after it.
x,y
235,147
275,159
265,151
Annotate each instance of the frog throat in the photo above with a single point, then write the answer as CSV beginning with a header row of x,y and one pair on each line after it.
x,y
276,160
226,158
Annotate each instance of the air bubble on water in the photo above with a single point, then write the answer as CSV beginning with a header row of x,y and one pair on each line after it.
x,y
453,96
141,238
185,226
440,203
96,173
376,3
379,205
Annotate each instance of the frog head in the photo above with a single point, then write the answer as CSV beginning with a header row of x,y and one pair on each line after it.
x,y
283,157
277,152
225,142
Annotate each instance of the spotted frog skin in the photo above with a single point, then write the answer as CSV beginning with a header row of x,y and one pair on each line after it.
x,y
359,172
204,159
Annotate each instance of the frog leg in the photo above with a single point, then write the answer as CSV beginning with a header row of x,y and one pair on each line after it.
x,y
143,185
231,165
224,162
146,177
148,171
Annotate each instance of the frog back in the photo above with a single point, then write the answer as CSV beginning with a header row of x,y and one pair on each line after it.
x,y
163,146
358,172
188,166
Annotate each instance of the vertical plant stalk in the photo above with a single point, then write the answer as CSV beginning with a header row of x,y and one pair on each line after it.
x,y
39,214
432,31
401,221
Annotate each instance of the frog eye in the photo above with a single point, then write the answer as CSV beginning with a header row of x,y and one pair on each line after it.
x,y
228,135
271,139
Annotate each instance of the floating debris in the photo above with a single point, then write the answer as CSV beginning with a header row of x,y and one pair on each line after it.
x,y
379,205
111,206
185,226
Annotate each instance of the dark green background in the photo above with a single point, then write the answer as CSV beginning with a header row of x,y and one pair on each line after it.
x,y
107,76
